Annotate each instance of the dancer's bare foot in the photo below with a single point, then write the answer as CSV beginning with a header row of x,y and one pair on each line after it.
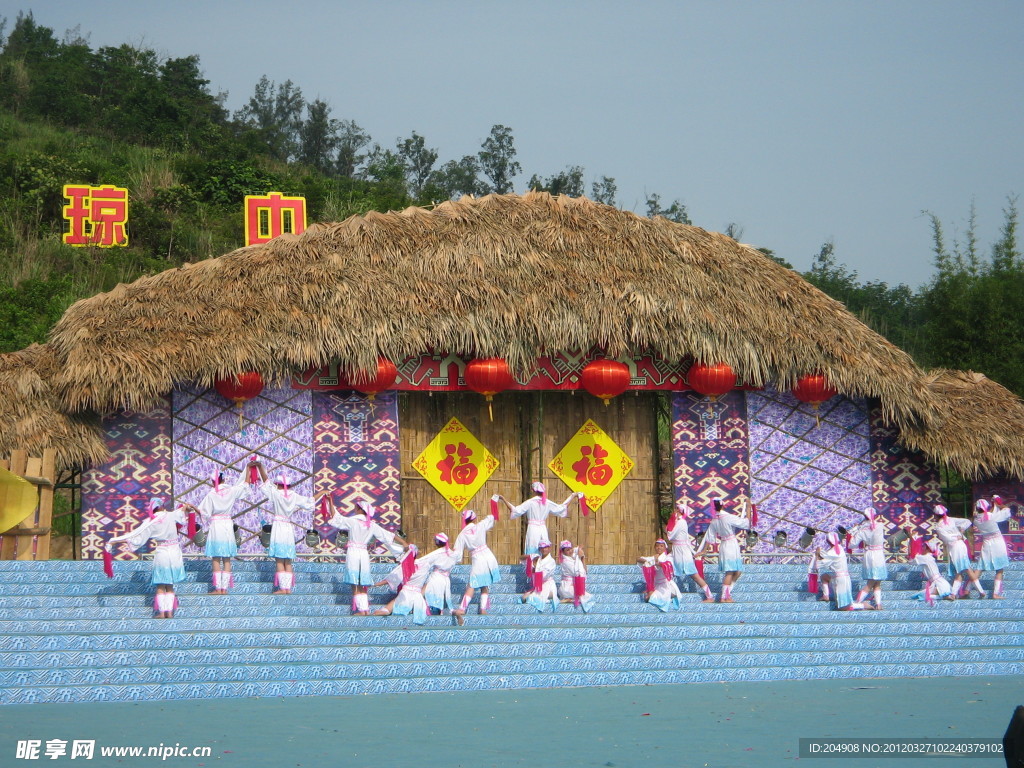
x,y
460,616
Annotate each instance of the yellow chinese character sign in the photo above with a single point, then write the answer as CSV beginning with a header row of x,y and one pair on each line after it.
x,y
273,214
97,215
592,463
456,464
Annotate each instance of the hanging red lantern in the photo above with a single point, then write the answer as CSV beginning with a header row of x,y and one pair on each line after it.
x,y
374,382
711,380
605,379
813,389
488,376
240,388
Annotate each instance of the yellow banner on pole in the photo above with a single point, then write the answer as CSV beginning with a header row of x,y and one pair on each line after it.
x,y
456,464
18,499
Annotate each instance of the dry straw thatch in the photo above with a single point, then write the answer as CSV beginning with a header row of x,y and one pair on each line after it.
x,y
32,418
980,430
504,275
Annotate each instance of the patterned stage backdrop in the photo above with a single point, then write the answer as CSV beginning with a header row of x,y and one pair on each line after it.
x,y
709,447
804,473
1012,492
357,453
276,426
904,484
115,495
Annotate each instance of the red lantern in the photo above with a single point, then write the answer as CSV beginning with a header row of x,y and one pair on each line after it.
x,y
711,380
605,379
488,376
241,387
813,389
378,381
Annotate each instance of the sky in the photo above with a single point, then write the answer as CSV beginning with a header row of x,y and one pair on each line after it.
x,y
799,122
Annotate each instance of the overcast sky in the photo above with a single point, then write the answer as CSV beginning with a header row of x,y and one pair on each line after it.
x,y
799,121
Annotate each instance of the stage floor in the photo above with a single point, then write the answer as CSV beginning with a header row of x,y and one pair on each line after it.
x,y
720,725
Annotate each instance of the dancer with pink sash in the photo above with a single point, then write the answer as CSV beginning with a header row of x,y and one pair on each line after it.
x,y
536,509
542,590
572,588
483,570
678,530
168,566
285,504
217,507
871,536
722,531
415,573
993,556
361,530
834,559
660,588
935,584
950,531
438,589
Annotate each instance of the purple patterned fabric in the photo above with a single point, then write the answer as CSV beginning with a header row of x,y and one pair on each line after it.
x,y
115,495
807,468
210,433
356,452
709,448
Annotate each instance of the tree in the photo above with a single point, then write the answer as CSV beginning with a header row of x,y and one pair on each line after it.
x,y
568,182
603,190
418,161
459,177
497,159
675,212
275,112
351,140
318,137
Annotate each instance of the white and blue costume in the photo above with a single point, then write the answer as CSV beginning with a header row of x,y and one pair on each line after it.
x,y
286,503
722,531
571,566
483,570
536,509
217,507
361,531
872,535
162,528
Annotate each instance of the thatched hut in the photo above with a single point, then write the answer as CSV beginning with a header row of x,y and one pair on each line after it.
x,y
547,284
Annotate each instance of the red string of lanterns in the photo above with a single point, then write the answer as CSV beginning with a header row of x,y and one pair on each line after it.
x,y
605,379
489,376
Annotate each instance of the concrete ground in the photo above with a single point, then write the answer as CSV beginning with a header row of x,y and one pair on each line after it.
x,y
722,725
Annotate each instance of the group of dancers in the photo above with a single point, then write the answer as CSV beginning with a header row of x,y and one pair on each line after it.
x,y
422,582
680,557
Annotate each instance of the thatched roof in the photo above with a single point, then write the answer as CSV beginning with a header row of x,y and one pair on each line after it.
x,y
503,275
509,276
32,417
980,430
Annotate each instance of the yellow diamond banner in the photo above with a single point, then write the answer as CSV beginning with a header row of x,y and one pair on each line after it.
x,y
456,464
592,463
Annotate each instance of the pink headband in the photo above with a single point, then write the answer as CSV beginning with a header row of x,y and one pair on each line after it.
x,y
833,542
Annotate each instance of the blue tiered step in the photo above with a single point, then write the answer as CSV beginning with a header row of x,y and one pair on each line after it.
x,y
67,633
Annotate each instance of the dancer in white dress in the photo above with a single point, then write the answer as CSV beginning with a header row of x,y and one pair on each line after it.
x,y
286,504
572,588
168,566
935,584
871,535
217,507
678,530
543,590
722,530
361,530
483,569
661,589
410,594
950,531
438,590
834,558
536,509
993,557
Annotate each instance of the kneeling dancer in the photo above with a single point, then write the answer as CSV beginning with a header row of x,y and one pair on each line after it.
x,y
661,589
